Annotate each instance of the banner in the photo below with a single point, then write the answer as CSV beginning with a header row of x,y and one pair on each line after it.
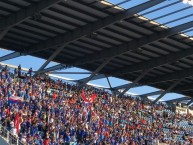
x,y
90,100
15,99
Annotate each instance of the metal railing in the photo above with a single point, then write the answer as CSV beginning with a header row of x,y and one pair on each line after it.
x,y
9,137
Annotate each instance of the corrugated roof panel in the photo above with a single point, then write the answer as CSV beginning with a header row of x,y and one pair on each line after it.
x,y
128,32
165,46
108,39
149,53
114,35
154,49
120,60
176,43
28,34
138,55
115,64
43,25
157,72
188,61
20,2
77,13
86,8
95,41
64,17
85,45
37,30
136,27
184,65
8,6
75,48
10,40
75,53
57,23
172,67
164,69
21,38
130,58
4,13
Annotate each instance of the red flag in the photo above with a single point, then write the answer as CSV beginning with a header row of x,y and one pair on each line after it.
x,y
54,96
84,97
90,100
143,121
107,134
138,126
93,97
17,122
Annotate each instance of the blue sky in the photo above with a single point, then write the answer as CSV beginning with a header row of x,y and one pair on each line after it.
x,y
35,63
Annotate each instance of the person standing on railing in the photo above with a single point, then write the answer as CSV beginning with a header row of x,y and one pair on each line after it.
x,y
30,72
15,73
19,71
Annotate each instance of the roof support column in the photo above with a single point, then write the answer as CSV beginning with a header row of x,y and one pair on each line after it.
x,y
3,33
190,102
94,73
96,77
168,90
134,82
56,67
113,92
50,59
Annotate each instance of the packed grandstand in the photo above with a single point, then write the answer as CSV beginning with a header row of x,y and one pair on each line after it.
x,y
145,42
42,111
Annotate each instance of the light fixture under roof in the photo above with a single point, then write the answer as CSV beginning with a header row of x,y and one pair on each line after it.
x,y
190,2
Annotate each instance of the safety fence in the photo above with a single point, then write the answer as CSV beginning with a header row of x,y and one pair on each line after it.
x,y
9,137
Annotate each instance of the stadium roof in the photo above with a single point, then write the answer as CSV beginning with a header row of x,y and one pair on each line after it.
x,y
104,38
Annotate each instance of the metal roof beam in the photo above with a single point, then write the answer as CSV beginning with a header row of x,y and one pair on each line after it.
x,y
96,77
172,57
109,82
86,80
183,88
69,72
120,87
169,77
131,85
190,102
179,99
112,91
10,56
89,28
160,8
168,90
58,50
56,67
25,13
132,45
3,33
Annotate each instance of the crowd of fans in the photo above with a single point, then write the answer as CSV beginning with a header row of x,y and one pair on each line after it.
x,y
54,113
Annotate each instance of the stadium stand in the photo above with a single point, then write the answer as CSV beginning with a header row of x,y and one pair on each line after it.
x,y
108,40
53,112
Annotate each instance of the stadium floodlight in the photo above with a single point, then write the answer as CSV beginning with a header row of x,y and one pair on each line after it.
x,y
190,2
